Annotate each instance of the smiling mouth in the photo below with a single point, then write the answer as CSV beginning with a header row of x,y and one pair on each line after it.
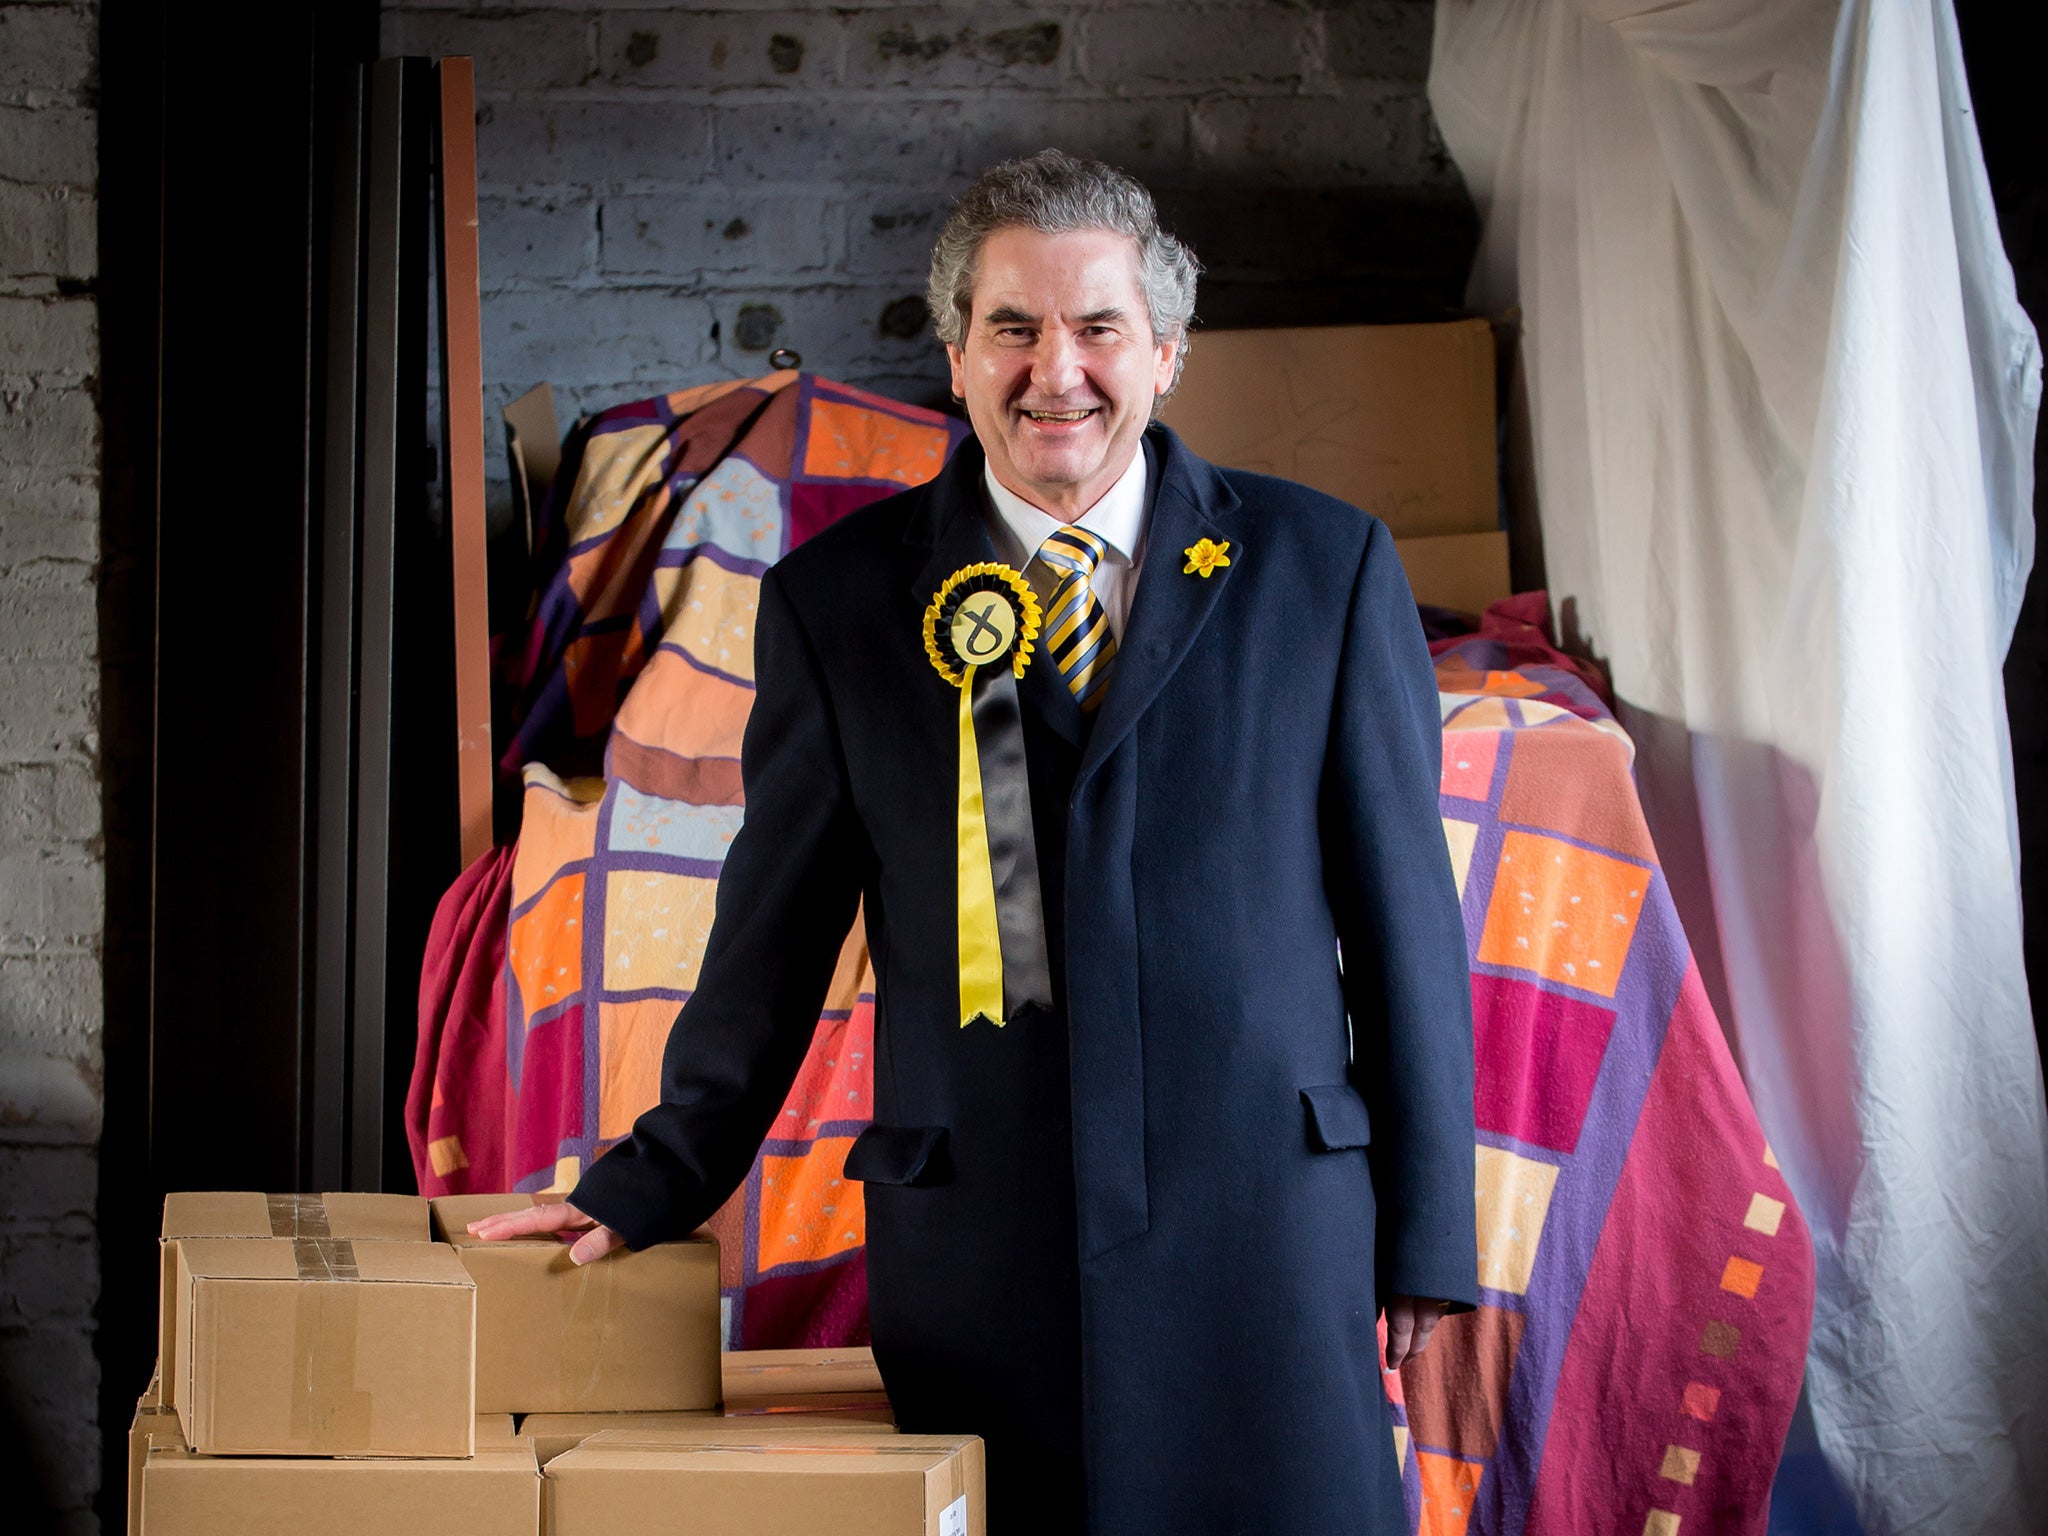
x,y
1063,416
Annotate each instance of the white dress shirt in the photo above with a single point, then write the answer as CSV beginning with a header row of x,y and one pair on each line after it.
x,y
1118,519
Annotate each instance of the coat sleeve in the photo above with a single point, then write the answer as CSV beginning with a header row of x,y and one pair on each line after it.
x,y
786,898
1406,980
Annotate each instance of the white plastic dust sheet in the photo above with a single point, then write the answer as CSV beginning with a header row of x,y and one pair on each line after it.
x,y
1782,403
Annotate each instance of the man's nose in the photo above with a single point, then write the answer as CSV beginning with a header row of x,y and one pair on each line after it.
x,y
1057,366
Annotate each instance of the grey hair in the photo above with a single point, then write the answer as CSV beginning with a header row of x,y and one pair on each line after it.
x,y
1055,193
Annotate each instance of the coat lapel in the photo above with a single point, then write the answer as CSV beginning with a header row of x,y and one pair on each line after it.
x,y
954,524
1170,606
950,524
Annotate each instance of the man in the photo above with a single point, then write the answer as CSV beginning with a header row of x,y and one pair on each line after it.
x,y
1132,1237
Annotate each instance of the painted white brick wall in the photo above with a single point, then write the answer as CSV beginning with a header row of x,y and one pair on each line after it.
x,y
51,902
667,192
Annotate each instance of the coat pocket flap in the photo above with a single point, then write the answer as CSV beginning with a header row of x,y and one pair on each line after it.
x,y
898,1154
1336,1118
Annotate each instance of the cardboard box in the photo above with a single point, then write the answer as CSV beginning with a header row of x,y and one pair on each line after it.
x,y
815,1408
798,1372
227,1213
550,1434
324,1348
155,1423
622,1484
495,1493
633,1333
1397,419
1467,572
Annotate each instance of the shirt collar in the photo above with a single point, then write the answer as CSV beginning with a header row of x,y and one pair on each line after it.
x,y
1118,518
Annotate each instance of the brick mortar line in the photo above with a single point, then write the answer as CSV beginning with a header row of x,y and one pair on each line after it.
x,y
1236,88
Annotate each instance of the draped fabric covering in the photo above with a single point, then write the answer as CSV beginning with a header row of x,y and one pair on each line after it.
x,y
1781,401
1647,1279
556,967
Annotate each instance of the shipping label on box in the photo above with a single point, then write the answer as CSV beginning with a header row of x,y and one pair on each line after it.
x,y
241,1213
1396,419
634,1332
495,1493
324,1348
770,1484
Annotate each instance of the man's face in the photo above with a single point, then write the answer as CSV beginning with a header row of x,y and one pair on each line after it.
x,y
1058,367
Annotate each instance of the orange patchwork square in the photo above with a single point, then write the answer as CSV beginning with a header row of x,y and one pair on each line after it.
x,y
545,947
681,709
809,1208
1742,1277
1448,1486
1568,914
1700,1400
852,442
630,1040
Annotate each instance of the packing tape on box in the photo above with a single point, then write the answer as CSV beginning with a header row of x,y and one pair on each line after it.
x,y
298,1216
819,1447
328,1409
325,1258
594,1307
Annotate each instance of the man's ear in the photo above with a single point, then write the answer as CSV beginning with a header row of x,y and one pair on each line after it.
x,y
1163,366
957,361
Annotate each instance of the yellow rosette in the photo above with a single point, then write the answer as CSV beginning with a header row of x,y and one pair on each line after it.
x,y
981,624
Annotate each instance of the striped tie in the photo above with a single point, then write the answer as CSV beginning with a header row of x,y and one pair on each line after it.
x,y
1077,633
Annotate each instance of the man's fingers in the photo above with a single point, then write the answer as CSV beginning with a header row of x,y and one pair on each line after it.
x,y
555,1216
1400,1329
1410,1320
595,1244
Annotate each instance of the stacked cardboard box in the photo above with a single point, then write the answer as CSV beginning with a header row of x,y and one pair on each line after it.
x,y
1397,419
495,1492
334,1364
298,1218
806,1387
793,1392
627,1483
638,1332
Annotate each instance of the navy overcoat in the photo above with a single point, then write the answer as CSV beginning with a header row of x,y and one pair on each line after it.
x,y
1136,1243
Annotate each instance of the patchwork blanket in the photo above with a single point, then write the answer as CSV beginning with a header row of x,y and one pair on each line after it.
x,y
1647,1280
556,968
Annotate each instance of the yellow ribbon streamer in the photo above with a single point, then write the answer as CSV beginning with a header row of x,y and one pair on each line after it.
x,y
981,946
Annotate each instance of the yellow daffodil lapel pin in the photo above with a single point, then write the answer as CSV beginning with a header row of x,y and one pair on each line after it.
x,y
1204,555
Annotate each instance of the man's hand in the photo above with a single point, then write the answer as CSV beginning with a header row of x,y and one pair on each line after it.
x,y
558,1217
1410,1322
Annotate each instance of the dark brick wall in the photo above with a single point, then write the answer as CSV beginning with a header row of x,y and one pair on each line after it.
x,y
668,193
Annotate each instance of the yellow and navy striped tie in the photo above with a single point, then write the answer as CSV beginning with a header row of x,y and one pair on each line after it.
x,y
1077,633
